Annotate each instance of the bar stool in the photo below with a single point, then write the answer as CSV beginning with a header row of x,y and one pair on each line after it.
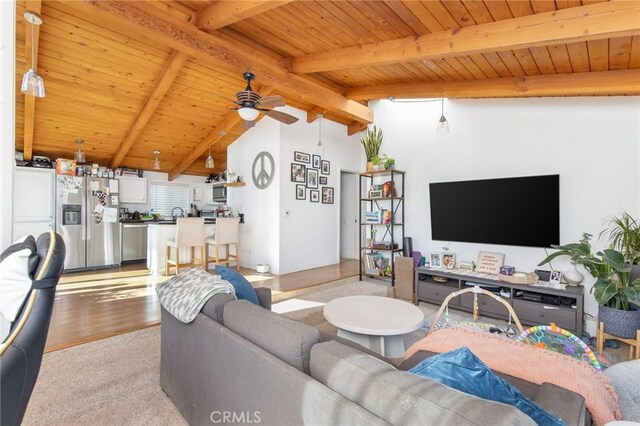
x,y
189,233
226,234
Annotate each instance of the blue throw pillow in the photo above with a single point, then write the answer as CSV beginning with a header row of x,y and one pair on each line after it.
x,y
244,289
462,370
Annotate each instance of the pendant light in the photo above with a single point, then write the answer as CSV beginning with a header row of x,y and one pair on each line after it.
x,y
443,123
209,163
32,83
80,158
320,145
156,161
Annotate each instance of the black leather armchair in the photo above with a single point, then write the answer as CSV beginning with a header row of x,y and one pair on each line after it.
x,y
21,353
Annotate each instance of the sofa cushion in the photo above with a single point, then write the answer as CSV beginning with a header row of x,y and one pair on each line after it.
x,y
399,397
215,306
244,289
284,338
462,370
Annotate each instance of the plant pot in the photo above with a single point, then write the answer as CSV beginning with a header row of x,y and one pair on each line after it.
x,y
369,166
378,168
620,323
572,276
390,167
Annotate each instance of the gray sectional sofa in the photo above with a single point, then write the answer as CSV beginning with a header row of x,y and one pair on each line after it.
x,y
240,363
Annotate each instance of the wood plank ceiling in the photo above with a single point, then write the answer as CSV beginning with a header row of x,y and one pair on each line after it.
x,y
131,77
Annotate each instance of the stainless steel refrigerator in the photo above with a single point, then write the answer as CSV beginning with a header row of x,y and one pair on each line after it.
x,y
87,219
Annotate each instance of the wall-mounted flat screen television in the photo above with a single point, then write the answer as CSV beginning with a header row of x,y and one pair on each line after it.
x,y
519,211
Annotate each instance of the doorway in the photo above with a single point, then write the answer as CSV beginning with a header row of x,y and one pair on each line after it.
x,y
349,199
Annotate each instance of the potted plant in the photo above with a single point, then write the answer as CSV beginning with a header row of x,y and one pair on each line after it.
x,y
614,290
387,162
624,235
378,163
371,142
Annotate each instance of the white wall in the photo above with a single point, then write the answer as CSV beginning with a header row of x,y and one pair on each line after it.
x,y
592,143
7,118
309,235
259,235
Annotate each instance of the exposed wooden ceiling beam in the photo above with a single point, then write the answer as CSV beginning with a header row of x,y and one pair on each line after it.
x,y
603,83
590,22
313,113
223,13
167,76
226,124
355,127
139,19
30,101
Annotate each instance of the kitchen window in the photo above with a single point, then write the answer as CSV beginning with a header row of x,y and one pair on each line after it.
x,y
164,197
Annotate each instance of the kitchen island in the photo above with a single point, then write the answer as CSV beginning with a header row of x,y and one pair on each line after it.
x,y
158,234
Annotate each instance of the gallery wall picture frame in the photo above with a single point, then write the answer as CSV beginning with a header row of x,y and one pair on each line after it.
x,y
326,167
323,180
317,160
314,196
298,173
327,195
301,157
301,192
312,178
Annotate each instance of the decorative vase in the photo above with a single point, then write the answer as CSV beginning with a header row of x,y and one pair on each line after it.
x,y
369,166
623,324
573,276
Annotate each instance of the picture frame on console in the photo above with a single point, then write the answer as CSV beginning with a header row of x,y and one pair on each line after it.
x,y
435,259
555,277
449,260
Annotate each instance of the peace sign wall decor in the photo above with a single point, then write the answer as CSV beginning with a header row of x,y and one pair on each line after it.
x,y
263,170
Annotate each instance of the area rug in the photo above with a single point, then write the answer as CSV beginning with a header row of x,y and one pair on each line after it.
x,y
115,381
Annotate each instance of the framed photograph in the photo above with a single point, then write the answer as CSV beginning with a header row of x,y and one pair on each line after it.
x,y
301,157
314,196
298,173
435,259
312,178
555,277
326,167
449,260
301,192
490,262
375,193
316,162
327,195
323,180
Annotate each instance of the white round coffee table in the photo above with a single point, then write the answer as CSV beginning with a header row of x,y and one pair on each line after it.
x,y
377,323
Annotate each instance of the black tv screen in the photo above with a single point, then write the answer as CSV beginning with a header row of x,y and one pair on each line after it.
x,y
522,211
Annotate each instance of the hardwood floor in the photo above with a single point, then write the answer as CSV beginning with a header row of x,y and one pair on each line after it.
x,y
99,304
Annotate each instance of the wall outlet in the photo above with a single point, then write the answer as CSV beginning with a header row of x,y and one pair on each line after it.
x,y
287,213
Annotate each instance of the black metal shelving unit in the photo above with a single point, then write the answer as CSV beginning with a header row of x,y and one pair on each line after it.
x,y
394,229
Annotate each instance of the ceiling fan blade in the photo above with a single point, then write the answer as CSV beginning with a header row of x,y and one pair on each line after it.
x,y
280,116
248,124
235,101
271,101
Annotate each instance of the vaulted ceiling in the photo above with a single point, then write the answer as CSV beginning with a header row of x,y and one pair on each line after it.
x,y
133,76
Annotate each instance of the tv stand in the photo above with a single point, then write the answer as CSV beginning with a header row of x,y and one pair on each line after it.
x,y
534,304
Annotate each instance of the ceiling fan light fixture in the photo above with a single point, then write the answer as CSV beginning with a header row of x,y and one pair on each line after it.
x,y
79,156
156,161
248,113
32,82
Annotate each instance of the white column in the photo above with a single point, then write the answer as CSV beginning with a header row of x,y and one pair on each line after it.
x,y
7,118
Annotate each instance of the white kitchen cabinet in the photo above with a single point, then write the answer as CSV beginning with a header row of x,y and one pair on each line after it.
x,y
33,201
132,189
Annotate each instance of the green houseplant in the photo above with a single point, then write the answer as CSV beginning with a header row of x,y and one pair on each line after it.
x,y
624,234
371,142
614,290
388,162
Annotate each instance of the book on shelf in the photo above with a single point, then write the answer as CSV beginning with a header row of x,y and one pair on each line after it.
x,y
382,216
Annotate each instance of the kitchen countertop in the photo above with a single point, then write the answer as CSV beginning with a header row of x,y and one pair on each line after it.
x,y
207,220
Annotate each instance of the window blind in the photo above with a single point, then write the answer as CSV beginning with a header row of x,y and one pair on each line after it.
x,y
164,197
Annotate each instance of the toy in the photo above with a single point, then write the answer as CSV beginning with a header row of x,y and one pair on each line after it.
x,y
556,339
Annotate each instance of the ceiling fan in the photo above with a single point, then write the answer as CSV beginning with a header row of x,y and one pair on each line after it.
x,y
250,104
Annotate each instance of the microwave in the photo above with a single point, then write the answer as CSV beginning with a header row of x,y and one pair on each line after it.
x,y
218,194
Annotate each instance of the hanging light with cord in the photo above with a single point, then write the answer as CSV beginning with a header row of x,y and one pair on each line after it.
x,y
156,161
209,163
320,145
443,123
32,83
